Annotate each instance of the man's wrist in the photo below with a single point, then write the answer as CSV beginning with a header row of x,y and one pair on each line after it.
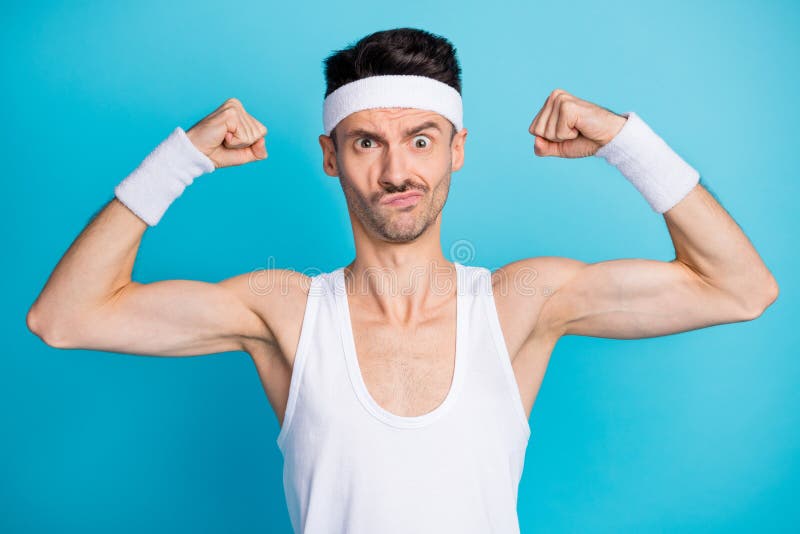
x,y
645,159
618,122
162,177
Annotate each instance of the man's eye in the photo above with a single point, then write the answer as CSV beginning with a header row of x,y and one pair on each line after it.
x,y
365,140
422,141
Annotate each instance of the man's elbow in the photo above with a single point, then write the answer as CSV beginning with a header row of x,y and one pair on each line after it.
x,y
769,296
47,331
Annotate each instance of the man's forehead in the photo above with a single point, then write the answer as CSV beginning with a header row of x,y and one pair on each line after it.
x,y
389,119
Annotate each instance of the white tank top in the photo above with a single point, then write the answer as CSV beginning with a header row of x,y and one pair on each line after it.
x,y
352,467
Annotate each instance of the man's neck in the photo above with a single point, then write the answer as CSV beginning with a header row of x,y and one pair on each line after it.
x,y
403,287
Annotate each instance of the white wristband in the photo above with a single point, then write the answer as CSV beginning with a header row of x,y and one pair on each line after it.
x,y
163,175
660,175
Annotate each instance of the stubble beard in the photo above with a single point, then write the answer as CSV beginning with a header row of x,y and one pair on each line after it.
x,y
393,224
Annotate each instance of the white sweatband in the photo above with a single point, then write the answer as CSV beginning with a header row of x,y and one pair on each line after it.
x,y
392,91
162,176
660,175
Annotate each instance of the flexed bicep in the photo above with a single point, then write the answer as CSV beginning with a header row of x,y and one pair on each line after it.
x,y
635,298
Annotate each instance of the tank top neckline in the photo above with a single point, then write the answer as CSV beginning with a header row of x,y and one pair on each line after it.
x,y
354,370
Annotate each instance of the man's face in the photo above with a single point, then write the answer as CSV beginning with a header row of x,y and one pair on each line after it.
x,y
394,167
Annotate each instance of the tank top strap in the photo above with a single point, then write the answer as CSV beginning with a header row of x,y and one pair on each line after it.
x,y
485,300
318,291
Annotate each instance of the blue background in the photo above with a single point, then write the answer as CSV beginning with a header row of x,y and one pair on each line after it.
x,y
695,432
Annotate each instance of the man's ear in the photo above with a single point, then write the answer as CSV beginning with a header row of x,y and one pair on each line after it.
x,y
328,156
457,149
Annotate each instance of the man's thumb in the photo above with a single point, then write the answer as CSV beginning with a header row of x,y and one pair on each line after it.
x,y
544,147
259,148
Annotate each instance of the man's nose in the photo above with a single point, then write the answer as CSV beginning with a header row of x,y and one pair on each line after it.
x,y
395,167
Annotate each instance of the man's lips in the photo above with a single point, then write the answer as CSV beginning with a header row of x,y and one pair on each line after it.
x,y
402,199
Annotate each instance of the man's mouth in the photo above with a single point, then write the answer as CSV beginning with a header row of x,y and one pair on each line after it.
x,y
400,200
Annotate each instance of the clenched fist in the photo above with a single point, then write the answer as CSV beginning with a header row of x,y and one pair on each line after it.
x,y
568,127
229,135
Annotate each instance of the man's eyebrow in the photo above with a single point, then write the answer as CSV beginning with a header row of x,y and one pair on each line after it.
x,y
361,132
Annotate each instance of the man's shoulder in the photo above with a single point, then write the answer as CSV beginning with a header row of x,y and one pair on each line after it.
x,y
272,293
278,297
261,285
535,275
523,289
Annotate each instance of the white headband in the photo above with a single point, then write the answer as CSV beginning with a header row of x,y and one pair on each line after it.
x,y
392,91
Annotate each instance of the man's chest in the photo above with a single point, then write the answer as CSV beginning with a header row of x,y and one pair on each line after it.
x,y
408,371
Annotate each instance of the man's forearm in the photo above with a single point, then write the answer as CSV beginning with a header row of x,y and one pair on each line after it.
x,y
100,261
96,265
708,240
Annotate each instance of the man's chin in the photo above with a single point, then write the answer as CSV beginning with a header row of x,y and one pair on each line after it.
x,y
398,239
401,234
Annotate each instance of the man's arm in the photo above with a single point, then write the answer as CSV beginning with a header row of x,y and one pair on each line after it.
x,y
90,300
716,277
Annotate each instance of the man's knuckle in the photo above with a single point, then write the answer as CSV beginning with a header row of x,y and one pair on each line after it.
x,y
233,101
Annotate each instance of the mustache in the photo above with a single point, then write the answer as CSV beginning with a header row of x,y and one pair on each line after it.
x,y
405,187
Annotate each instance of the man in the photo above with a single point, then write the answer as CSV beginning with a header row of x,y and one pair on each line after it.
x,y
402,409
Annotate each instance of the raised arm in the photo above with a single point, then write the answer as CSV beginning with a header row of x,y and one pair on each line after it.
x,y
90,300
716,277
